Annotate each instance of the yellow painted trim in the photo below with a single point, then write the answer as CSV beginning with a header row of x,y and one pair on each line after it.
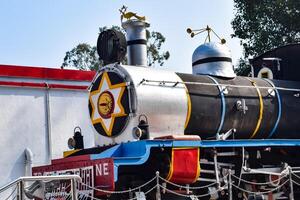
x,y
189,108
198,167
261,109
114,115
117,85
170,174
68,153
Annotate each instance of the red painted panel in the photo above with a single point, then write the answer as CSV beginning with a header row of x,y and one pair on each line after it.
x,y
102,171
42,85
185,166
45,73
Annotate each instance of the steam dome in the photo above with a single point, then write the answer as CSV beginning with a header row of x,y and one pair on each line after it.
x,y
213,59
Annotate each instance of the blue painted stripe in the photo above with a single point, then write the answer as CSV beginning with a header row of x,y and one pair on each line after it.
x,y
126,155
251,143
279,108
223,106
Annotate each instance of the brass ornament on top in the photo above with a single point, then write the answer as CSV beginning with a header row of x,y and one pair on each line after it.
x,y
128,15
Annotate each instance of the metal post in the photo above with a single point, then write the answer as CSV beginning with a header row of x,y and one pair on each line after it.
x,y
291,184
73,189
158,197
48,123
187,188
230,184
216,168
20,191
130,193
208,32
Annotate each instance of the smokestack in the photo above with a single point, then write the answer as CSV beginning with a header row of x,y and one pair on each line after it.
x,y
136,41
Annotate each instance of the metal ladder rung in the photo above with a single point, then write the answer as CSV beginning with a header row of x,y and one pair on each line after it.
x,y
206,179
227,154
205,171
206,162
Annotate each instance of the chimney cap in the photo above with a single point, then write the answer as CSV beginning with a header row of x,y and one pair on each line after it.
x,y
135,22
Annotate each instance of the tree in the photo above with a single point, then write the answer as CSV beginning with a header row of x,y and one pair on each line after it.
x,y
154,42
84,56
266,24
244,68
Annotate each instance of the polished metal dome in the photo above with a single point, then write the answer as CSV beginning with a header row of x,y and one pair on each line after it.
x,y
213,59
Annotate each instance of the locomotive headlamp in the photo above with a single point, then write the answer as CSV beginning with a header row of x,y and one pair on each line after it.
x,y
111,46
137,132
76,142
71,143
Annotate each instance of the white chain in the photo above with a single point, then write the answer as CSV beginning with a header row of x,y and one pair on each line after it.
x,y
261,183
120,192
265,192
94,198
187,187
155,186
184,195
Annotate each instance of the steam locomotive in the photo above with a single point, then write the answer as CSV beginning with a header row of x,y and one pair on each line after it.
x,y
148,120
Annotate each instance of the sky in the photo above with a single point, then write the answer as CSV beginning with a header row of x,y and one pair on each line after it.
x,y
39,32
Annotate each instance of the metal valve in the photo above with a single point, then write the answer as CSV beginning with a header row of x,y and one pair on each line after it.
x,y
241,106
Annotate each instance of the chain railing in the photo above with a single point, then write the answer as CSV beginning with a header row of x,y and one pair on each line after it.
x,y
287,177
229,185
158,185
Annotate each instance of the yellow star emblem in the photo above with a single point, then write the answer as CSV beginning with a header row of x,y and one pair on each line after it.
x,y
106,103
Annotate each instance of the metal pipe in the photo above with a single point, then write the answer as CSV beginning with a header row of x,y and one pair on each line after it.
x,y
145,81
73,189
43,85
28,162
216,168
48,123
252,71
291,184
136,41
230,184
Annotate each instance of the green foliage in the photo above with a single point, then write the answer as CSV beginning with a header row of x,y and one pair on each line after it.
x,y
266,24
244,68
154,42
85,57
